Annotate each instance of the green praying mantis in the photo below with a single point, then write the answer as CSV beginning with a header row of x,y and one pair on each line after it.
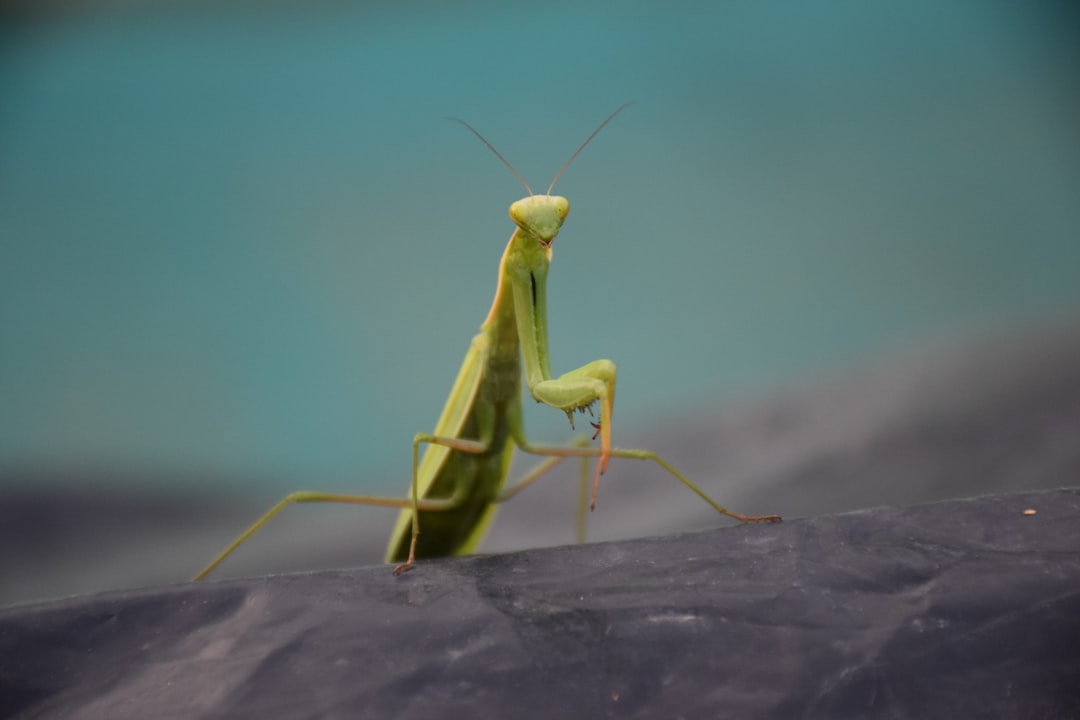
x,y
458,483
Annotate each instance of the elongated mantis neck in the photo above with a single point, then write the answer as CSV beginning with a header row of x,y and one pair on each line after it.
x,y
528,253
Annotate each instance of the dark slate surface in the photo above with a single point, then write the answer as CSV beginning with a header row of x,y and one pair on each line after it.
x,y
958,609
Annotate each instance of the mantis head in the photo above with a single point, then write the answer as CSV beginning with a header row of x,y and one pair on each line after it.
x,y
540,216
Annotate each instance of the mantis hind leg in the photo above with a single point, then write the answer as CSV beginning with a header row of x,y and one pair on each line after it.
x,y
414,502
579,450
416,505
311,497
547,466
649,455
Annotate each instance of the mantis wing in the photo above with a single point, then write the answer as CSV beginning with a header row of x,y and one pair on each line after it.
x,y
456,412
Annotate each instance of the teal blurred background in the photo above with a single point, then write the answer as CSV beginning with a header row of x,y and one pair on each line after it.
x,y
242,248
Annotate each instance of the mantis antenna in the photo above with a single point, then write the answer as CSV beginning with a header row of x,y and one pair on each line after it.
x,y
577,152
587,141
491,147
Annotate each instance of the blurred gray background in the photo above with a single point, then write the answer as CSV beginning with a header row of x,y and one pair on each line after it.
x,y
242,252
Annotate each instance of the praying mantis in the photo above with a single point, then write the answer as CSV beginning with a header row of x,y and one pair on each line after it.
x,y
458,483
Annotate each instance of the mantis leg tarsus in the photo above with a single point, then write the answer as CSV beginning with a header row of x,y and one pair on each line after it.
x,y
404,567
756,518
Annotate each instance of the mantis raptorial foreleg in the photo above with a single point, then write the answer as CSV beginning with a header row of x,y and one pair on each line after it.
x,y
581,388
